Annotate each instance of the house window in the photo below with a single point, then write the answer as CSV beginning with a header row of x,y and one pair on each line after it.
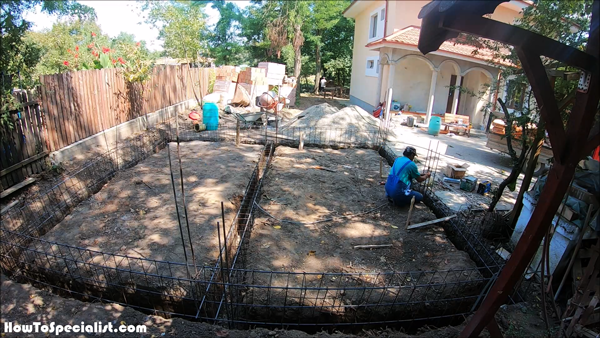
x,y
515,95
374,24
372,66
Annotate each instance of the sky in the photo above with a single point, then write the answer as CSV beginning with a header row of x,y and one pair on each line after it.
x,y
120,16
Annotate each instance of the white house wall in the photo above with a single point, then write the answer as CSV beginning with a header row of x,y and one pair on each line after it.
x,y
412,80
470,105
363,88
411,83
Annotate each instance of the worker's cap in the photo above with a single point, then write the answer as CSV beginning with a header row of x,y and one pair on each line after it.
x,y
410,151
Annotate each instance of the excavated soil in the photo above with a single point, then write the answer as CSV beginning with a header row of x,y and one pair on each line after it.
x,y
134,214
349,183
316,184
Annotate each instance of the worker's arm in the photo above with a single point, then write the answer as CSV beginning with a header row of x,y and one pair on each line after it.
x,y
423,177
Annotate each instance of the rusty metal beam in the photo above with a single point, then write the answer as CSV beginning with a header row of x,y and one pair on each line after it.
x,y
519,37
544,96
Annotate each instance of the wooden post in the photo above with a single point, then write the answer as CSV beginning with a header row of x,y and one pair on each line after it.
x,y
412,204
301,145
237,133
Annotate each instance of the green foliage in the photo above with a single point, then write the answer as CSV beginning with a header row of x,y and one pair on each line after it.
x,y
225,44
19,56
182,27
340,69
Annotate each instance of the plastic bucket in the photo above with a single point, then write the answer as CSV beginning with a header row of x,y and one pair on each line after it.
x,y
210,116
435,124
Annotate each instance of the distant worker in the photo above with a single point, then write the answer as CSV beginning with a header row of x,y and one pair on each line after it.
x,y
404,170
322,83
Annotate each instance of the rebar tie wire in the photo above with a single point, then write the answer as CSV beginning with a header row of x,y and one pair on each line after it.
x,y
320,221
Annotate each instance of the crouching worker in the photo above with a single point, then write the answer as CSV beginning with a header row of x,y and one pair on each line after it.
x,y
404,170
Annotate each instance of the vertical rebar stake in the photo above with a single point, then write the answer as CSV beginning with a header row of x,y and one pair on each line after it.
x,y
222,273
177,210
187,223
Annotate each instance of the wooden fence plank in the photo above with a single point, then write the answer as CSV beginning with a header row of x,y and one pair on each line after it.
x,y
43,108
76,123
64,113
80,97
56,109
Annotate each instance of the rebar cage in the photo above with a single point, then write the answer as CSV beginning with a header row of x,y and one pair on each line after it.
x,y
228,293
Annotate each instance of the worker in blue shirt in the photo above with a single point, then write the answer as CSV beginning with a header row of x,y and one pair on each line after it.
x,y
404,170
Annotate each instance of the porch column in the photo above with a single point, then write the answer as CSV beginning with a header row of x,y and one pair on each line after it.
x,y
391,72
456,94
434,75
379,82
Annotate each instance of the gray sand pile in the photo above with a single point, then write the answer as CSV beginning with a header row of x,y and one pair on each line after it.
x,y
326,116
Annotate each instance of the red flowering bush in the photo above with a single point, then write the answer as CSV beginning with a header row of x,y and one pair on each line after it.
x,y
102,57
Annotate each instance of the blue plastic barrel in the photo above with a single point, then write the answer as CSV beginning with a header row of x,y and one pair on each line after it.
x,y
210,116
435,124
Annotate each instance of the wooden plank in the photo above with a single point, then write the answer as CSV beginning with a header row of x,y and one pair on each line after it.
x,y
81,105
53,85
372,246
23,163
544,95
106,123
17,187
83,100
10,205
76,109
419,225
43,108
96,100
520,38
72,97
62,112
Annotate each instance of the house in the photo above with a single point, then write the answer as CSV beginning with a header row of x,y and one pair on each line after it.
x,y
385,56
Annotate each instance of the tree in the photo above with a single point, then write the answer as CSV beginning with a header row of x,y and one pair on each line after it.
x,y
18,56
224,41
325,15
182,27
565,21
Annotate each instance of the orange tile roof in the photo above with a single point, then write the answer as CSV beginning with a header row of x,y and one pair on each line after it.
x,y
410,36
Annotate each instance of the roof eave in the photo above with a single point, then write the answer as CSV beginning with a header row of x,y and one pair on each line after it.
x,y
377,45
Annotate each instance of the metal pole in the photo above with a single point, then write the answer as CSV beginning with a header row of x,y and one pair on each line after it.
x,y
177,210
187,223
221,268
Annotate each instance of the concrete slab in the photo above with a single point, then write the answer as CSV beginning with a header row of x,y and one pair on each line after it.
x,y
453,200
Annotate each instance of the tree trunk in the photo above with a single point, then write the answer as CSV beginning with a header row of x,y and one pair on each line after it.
x,y
297,62
318,68
518,162
297,42
514,175
533,159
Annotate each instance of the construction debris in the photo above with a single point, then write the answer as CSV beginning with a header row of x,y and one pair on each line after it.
x,y
418,225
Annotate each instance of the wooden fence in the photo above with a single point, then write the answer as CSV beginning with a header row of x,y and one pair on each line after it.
x,y
24,149
80,104
76,105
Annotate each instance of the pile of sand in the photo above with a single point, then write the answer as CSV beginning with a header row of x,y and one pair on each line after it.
x,y
326,116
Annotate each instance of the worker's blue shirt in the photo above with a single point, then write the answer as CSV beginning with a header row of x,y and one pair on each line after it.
x,y
401,175
406,172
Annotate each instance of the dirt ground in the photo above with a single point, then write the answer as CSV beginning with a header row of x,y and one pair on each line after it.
x,y
295,190
134,214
